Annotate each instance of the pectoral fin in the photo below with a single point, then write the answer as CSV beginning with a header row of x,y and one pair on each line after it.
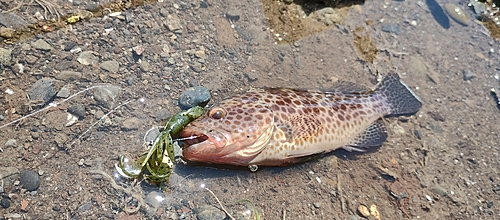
x,y
374,135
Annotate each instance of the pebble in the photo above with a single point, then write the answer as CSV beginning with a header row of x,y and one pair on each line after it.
x,y
197,67
43,90
131,124
209,212
200,54
63,92
87,58
5,57
479,7
30,180
69,75
41,45
194,96
6,32
13,20
173,23
67,46
85,207
110,66
439,190
144,65
468,75
78,110
363,210
107,95
391,28
317,205
5,203
11,143
456,13
233,15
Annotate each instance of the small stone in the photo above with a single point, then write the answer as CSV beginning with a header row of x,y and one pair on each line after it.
x,y
144,65
489,204
67,46
30,180
41,45
85,207
42,91
391,28
131,124
200,54
69,75
439,190
317,205
6,32
5,57
71,120
209,212
138,50
194,96
78,110
107,95
233,15
11,143
173,23
468,75
87,58
110,66
63,92
5,203
197,67
30,59
363,210
164,12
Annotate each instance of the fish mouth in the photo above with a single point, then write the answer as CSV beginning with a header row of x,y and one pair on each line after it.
x,y
191,137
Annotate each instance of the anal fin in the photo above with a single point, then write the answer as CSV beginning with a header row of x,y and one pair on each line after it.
x,y
374,136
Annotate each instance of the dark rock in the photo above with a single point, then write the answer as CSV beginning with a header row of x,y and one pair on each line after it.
x,y
468,75
30,180
233,15
4,202
391,28
194,96
69,45
78,110
43,91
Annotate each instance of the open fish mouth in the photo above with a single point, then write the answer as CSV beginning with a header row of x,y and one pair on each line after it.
x,y
190,137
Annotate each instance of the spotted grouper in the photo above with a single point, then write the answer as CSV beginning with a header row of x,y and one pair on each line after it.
x,y
278,127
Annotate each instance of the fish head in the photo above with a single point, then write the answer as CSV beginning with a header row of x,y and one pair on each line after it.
x,y
233,132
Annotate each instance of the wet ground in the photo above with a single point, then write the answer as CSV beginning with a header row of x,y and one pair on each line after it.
x,y
441,163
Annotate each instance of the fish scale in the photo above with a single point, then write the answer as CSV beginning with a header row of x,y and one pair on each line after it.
x,y
279,126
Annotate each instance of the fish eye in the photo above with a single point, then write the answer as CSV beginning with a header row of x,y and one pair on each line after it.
x,y
217,113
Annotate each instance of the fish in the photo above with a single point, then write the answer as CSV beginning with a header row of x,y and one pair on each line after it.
x,y
282,126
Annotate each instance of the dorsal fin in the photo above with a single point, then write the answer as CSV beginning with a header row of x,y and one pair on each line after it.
x,y
341,86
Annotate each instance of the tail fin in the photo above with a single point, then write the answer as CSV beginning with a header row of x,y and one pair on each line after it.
x,y
402,100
